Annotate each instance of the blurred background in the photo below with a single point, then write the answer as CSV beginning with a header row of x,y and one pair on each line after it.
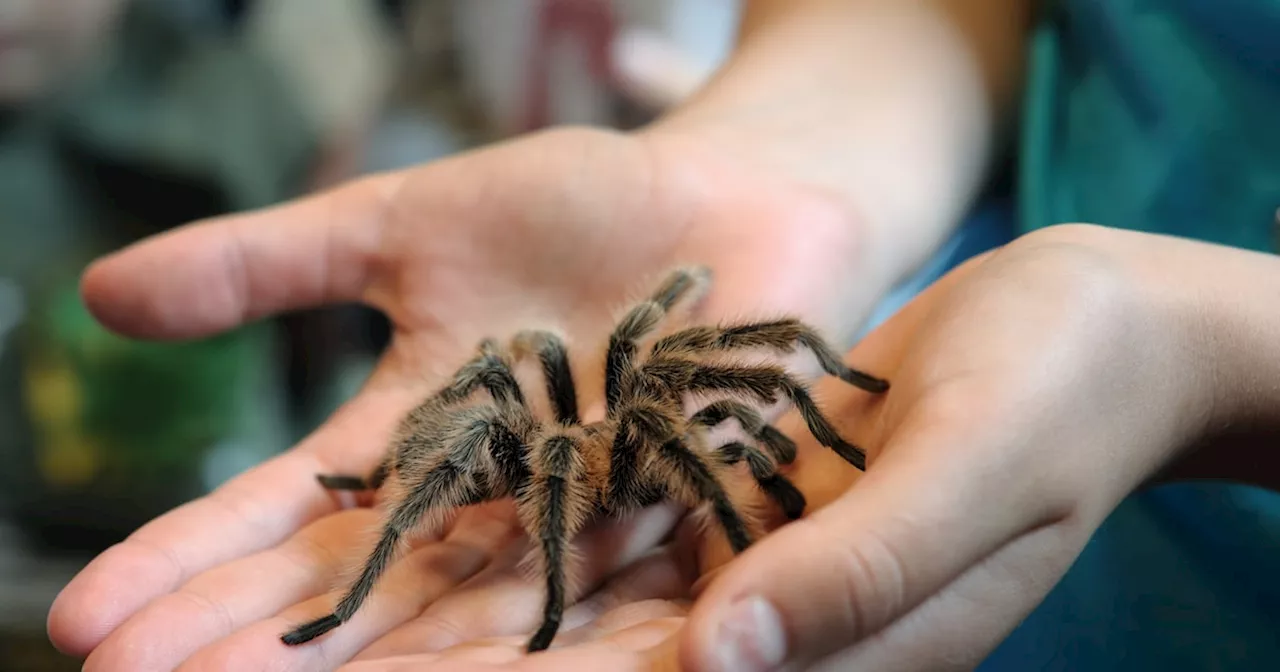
x,y
120,119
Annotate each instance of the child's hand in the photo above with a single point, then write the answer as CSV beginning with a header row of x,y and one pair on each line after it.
x,y
553,229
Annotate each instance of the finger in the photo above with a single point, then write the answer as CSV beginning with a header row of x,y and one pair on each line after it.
x,y
417,579
912,524
251,512
214,275
224,599
946,632
503,600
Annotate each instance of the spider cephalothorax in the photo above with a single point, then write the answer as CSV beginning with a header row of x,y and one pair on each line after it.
x,y
462,446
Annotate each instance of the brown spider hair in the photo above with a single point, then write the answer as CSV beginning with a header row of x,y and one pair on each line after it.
x,y
458,449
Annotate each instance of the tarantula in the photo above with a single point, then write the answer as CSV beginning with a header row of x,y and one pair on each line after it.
x,y
453,450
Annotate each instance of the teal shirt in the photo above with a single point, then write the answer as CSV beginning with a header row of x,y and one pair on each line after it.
x,y
1155,115
1159,116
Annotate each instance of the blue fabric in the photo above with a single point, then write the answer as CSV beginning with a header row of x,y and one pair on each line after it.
x,y
1155,115
1159,116
1180,577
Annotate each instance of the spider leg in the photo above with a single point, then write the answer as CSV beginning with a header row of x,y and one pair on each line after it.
x,y
554,357
437,481
345,482
679,284
447,486
554,508
487,369
781,335
780,445
766,475
697,483
639,322
627,489
761,381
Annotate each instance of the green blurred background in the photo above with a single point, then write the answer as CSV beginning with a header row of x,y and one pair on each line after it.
x,y
120,119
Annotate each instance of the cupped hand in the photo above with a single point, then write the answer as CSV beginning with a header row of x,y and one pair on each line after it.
x,y
1033,388
556,229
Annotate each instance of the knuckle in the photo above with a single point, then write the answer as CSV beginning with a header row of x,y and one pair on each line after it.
x,y
1077,262
875,584
861,585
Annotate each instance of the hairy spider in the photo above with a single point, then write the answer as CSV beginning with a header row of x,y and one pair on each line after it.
x,y
454,450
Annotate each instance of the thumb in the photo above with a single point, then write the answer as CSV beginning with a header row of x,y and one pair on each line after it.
x,y
912,524
214,275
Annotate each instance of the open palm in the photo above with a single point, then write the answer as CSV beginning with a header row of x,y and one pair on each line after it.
x,y
553,230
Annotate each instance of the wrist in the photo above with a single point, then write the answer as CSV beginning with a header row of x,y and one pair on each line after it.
x,y
1211,307
823,264
1225,297
891,108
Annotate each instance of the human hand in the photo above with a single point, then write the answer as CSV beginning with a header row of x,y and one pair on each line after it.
x,y
1034,388
550,230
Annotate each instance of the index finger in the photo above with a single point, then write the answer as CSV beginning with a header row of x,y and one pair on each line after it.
x,y
213,275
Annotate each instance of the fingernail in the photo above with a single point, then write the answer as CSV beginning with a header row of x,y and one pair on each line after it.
x,y
750,637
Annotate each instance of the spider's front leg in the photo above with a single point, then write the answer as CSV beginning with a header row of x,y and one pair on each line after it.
x,y
643,318
554,357
691,478
553,508
763,469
